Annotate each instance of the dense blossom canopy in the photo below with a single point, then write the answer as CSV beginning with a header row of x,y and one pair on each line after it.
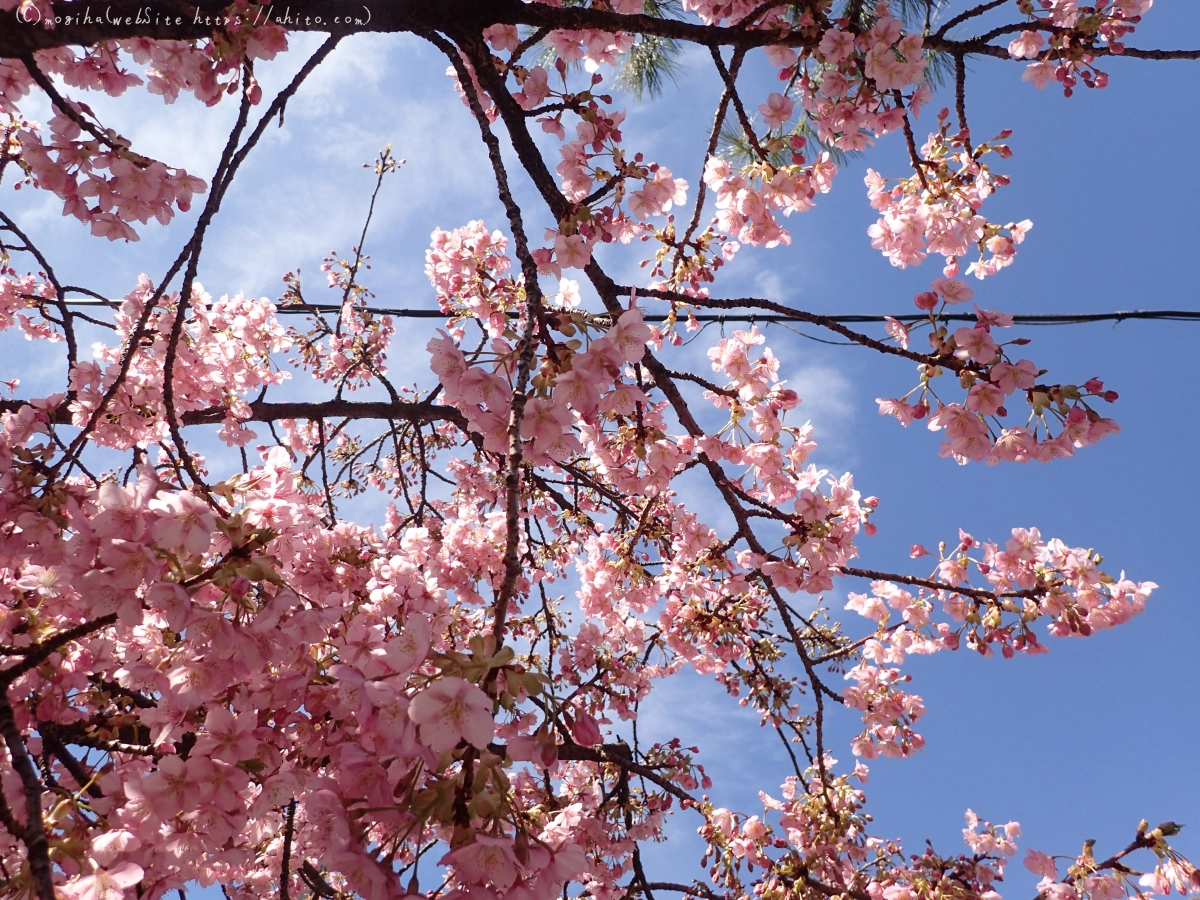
x,y
212,677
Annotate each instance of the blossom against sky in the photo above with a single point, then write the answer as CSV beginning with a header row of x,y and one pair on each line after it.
x,y
1095,732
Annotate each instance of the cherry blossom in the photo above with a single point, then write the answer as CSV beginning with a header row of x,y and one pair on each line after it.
x,y
451,710
212,675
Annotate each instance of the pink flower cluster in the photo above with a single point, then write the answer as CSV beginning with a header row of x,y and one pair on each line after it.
x,y
823,524
100,181
1026,581
851,98
936,210
351,352
1073,32
104,188
847,100
990,377
599,176
226,355
219,689
468,268
748,199
463,266
20,297
209,680
715,12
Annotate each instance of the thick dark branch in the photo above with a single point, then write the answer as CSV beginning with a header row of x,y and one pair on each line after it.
x,y
83,778
285,874
695,890
980,47
714,137
59,300
65,107
609,291
703,382
960,100
195,244
832,891
43,650
910,139
731,89
120,20
37,845
421,413
1150,54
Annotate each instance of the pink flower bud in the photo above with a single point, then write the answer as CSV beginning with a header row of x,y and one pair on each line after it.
x,y
586,730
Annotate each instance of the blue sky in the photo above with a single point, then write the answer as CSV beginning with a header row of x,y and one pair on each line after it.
x,y
1078,744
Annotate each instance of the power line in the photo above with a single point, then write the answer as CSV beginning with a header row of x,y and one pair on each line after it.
x,y
1168,315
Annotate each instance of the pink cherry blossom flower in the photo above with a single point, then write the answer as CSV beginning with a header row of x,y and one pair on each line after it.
x,y
502,37
836,45
1011,377
993,318
1041,74
777,110
1053,890
952,291
1104,887
486,860
630,335
452,709
184,520
108,847
974,343
227,737
572,251
1040,864
898,330
985,399
103,884
535,88
407,650
777,55
1027,46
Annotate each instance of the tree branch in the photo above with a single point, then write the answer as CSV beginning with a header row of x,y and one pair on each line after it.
x,y
422,412
42,651
37,845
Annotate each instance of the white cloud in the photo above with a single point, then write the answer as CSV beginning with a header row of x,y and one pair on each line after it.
x,y
770,285
826,395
